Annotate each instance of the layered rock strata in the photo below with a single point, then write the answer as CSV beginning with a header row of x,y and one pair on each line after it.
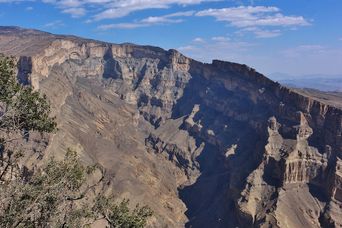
x,y
202,144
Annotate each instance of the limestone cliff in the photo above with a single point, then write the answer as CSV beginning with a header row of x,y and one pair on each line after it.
x,y
203,144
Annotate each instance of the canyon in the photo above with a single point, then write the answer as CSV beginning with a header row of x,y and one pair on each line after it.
x,y
204,145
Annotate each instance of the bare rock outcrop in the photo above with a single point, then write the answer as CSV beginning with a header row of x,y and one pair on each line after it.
x,y
204,145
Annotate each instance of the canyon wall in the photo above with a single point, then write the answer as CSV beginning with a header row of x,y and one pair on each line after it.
x,y
202,144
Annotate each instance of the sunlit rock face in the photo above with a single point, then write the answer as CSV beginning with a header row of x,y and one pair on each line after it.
x,y
204,145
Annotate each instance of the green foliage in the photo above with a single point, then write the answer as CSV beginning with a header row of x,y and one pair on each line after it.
x,y
47,199
8,84
55,197
57,194
21,108
119,215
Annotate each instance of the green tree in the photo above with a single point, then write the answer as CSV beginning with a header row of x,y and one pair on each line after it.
x,y
49,198
57,194
21,110
119,215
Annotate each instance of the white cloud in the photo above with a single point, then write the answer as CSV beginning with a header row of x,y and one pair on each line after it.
x,y
182,14
69,3
76,8
198,40
12,1
159,20
75,12
260,33
218,47
243,16
267,33
120,26
149,21
109,9
255,18
302,59
121,8
29,8
220,39
54,24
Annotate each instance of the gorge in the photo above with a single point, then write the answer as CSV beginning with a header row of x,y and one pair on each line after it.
x,y
204,145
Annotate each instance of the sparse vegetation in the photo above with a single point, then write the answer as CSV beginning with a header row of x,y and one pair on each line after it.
x,y
119,215
56,194
21,110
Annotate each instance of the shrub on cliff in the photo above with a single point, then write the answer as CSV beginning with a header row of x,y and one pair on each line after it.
x,y
21,110
56,194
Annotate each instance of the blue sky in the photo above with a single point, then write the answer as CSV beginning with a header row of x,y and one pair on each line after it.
x,y
288,36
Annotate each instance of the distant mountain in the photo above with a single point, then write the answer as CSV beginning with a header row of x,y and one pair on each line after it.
x,y
314,81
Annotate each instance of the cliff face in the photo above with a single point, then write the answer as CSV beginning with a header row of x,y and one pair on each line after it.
x,y
203,144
